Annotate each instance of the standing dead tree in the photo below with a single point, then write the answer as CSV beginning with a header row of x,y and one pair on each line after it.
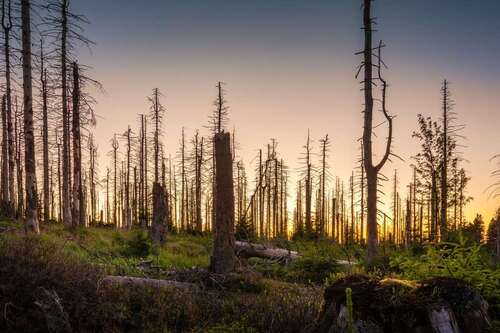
x,y
78,213
31,223
7,27
372,170
307,171
64,28
157,112
223,259
324,177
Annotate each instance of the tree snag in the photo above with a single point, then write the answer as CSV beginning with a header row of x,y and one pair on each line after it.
x,y
223,258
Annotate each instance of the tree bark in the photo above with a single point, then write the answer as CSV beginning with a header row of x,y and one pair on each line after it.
x,y
223,258
66,202
160,214
78,207
31,223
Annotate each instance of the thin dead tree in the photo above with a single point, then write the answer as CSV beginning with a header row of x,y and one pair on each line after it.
x,y
31,214
78,206
45,135
7,27
372,170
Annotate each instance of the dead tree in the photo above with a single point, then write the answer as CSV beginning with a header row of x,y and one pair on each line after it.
x,y
31,223
160,214
307,172
157,113
325,145
5,159
78,213
371,169
19,167
7,27
223,258
128,218
114,145
45,135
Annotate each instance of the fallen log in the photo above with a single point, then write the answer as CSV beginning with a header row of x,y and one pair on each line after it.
x,y
249,250
146,282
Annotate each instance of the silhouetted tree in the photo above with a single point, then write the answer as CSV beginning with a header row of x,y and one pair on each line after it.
x,y
372,170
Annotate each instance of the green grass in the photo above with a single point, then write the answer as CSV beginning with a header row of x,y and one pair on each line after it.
x,y
120,251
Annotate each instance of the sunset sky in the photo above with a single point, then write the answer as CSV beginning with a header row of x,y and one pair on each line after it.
x,y
289,65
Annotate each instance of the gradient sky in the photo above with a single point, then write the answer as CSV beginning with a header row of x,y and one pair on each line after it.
x,y
289,66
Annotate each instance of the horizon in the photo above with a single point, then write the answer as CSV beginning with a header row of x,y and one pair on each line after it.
x,y
294,64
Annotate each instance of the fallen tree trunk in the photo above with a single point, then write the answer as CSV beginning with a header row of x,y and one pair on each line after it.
x,y
146,282
249,250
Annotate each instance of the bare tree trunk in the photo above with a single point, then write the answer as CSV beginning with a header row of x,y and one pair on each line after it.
x,y
128,218
18,139
223,259
7,26
66,202
115,176
31,223
5,159
78,207
45,140
443,226
160,214
371,169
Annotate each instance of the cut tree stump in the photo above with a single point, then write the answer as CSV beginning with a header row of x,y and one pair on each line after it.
x,y
441,305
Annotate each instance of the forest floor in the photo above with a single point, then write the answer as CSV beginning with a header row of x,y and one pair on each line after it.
x,y
263,296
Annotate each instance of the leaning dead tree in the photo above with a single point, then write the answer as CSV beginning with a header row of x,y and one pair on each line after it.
x,y
31,223
371,169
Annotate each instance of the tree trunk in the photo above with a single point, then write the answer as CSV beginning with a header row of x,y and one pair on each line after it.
x,y
31,223
160,214
45,142
78,207
5,159
223,258
66,202
7,26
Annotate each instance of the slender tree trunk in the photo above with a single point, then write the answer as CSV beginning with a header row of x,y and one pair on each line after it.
x,y
444,168
7,26
5,159
371,169
66,202
31,223
45,141
78,206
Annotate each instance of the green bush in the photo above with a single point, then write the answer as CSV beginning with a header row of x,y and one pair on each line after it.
x,y
139,245
457,260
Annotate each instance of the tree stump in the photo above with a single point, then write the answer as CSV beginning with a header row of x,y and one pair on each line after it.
x,y
441,305
158,232
223,258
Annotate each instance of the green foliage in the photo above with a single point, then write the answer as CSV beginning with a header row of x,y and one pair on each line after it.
x,y
459,261
244,231
139,245
317,262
